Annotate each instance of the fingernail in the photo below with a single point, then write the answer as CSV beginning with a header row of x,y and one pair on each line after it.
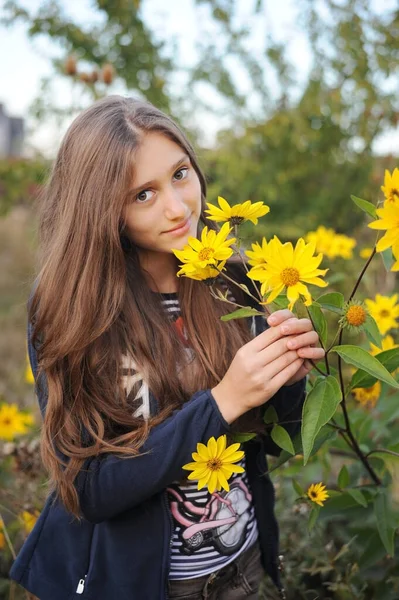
x,y
271,320
285,329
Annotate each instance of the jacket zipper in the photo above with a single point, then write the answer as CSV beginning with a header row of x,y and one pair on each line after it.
x,y
81,583
81,586
170,544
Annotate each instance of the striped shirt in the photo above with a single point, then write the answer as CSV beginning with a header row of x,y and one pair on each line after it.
x,y
210,530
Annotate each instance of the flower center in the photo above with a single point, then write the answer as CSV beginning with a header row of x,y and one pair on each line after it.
x,y
289,276
356,315
313,494
214,464
6,421
205,253
384,313
236,220
393,195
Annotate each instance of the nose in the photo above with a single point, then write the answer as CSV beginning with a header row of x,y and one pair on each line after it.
x,y
174,206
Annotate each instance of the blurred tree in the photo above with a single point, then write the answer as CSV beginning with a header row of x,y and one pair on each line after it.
x,y
302,147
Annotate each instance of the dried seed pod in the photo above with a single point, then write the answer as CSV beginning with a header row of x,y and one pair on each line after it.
x,y
94,77
108,73
70,66
85,77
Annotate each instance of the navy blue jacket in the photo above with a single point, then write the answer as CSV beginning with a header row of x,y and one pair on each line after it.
x,y
120,550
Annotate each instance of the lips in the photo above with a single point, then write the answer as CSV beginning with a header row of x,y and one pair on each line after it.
x,y
182,226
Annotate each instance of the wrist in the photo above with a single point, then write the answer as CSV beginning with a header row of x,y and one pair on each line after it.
x,y
228,407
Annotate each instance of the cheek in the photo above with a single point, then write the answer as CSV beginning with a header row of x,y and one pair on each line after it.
x,y
138,226
194,195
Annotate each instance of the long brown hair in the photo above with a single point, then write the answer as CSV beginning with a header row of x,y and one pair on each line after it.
x,y
92,305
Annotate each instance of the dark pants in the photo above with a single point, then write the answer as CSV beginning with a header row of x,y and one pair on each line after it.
x,y
238,580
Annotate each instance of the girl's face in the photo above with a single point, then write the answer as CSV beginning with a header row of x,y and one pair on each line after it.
x,y
165,197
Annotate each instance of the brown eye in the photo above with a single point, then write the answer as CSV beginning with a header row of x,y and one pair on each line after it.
x,y
181,174
143,196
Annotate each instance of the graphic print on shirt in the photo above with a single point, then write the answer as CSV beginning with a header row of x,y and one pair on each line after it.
x,y
220,524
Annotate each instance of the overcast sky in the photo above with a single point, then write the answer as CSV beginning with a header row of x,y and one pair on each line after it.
x,y
25,61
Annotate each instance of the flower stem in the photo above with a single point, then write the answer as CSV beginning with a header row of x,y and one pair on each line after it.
x,y
348,430
7,537
362,273
238,285
321,343
237,249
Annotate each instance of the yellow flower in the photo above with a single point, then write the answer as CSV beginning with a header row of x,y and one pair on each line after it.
x,y
2,541
388,343
317,493
365,252
389,220
323,239
209,251
13,422
368,397
238,213
29,519
207,274
258,255
342,246
330,243
385,311
213,464
391,186
290,268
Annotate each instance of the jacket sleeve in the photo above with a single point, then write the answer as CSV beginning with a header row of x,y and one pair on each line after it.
x,y
288,402
108,484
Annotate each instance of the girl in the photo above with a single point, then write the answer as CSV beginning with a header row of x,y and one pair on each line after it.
x,y
134,367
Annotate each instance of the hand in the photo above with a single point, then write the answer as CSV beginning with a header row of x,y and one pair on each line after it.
x,y
263,365
305,344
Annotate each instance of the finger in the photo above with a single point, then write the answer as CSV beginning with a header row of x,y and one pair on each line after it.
x,y
305,339
284,375
311,353
294,326
265,339
279,316
273,351
281,363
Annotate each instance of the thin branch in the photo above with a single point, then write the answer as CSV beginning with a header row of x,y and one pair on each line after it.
x,y
7,537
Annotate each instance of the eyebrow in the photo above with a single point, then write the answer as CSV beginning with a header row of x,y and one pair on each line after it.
x,y
149,183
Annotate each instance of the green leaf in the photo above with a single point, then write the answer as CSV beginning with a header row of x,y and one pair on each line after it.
x,y
333,301
314,513
325,434
298,488
343,477
363,360
366,207
320,406
357,496
387,259
281,302
270,415
243,437
247,311
388,358
372,332
281,437
391,461
382,515
320,323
